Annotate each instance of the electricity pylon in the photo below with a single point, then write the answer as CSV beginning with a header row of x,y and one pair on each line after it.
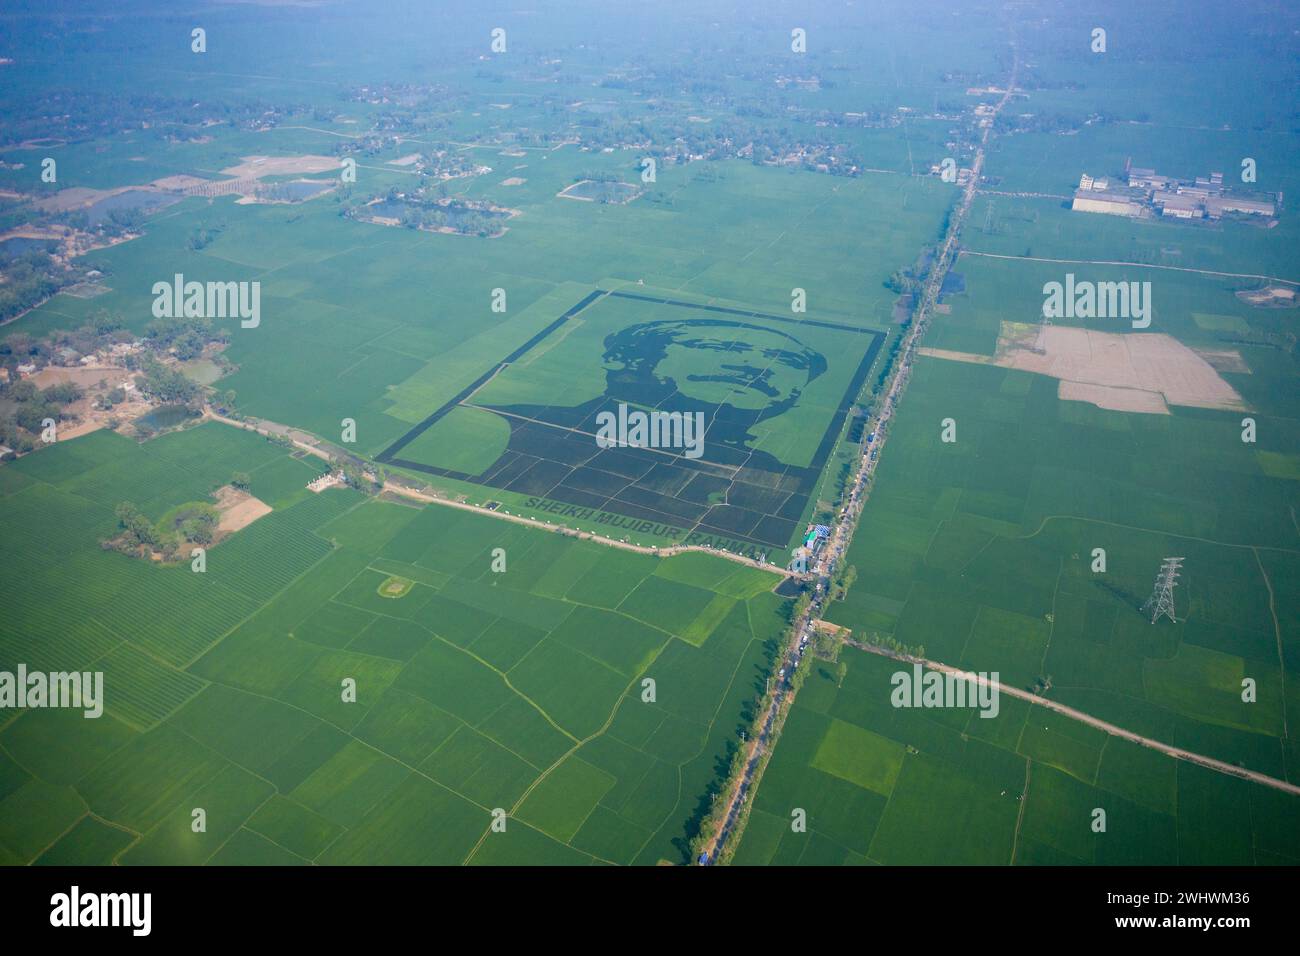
x,y
1161,601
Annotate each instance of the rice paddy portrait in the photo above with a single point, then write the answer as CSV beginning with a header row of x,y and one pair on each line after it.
x,y
771,400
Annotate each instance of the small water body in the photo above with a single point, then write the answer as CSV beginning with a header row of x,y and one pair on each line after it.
x,y
610,192
166,416
298,191
140,199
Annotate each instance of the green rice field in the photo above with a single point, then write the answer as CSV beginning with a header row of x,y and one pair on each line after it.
x,y
475,690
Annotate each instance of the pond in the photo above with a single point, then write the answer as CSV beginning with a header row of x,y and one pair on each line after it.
x,y
602,191
296,191
140,199
166,416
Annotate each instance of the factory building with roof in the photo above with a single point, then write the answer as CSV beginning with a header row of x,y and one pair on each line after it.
x,y
1149,192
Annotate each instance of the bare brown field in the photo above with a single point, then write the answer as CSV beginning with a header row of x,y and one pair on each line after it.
x,y
1272,297
90,419
1132,372
52,232
177,183
83,376
255,167
78,197
1112,397
238,509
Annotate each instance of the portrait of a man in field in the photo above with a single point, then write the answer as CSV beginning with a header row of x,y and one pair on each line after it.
x,y
711,362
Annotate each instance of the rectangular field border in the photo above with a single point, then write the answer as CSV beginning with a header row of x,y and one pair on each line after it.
x,y
389,456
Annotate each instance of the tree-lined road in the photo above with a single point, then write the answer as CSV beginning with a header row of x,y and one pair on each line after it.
x,y
845,524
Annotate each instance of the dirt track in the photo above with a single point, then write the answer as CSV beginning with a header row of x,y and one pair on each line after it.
x,y
414,494
1135,265
1176,752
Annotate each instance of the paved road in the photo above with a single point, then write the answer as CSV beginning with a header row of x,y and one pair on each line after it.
x,y
844,525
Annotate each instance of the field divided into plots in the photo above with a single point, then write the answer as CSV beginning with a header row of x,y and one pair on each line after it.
x,y
946,786
385,325
982,552
475,690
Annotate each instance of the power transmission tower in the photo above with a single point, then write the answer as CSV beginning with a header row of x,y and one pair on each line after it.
x,y
1161,601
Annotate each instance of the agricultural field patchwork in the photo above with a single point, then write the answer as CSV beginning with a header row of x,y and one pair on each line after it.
x,y
879,784
1023,541
439,434
349,681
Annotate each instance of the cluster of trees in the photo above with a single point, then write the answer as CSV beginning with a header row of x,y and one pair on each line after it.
x,y
891,357
62,393
357,475
30,407
544,139
826,645
659,197
187,336
842,581
137,534
911,280
1008,122
191,523
712,810
202,238
889,642
115,396
119,222
903,282
391,126
102,329
168,385
761,133
28,281
597,176
445,163
801,605
458,217
278,192
731,766
93,113
195,522
430,208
